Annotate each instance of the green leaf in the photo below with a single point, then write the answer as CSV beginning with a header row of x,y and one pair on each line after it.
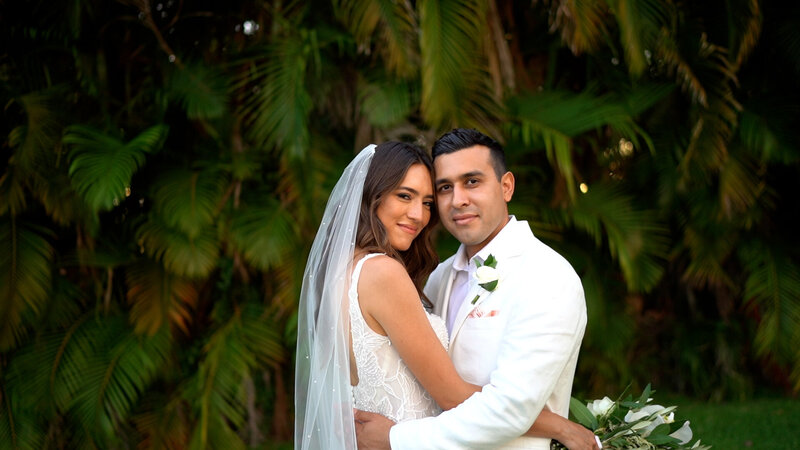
x,y
158,297
263,233
244,342
553,119
277,109
102,165
387,26
387,103
25,276
201,90
640,23
182,255
634,236
645,395
491,261
582,414
455,90
661,439
188,200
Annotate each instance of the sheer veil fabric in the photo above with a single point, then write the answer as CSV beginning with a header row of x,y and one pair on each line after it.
x,y
323,399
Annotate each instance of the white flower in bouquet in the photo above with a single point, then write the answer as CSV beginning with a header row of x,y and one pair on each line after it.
x,y
633,423
601,407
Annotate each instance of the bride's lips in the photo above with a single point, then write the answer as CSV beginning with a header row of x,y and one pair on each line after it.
x,y
408,228
464,219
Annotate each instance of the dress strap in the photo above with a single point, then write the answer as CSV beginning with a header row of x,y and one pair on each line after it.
x,y
359,265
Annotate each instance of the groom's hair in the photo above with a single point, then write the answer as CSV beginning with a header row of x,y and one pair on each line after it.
x,y
461,138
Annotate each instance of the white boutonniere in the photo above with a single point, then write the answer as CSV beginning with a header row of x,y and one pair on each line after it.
x,y
487,275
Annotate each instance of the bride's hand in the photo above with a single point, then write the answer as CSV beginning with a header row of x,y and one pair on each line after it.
x,y
372,431
576,437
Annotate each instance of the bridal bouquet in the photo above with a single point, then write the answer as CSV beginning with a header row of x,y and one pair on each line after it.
x,y
633,423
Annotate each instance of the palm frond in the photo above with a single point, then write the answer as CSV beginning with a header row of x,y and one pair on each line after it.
x,y
102,166
639,22
180,254
158,297
709,249
102,371
395,24
277,111
12,191
387,103
62,203
580,22
746,18
634,236
19,427
39,135
163,423
740,187
243,343
25,275
201,90
766,137
187,200
553,119
609,329
772,289
453,91
264,234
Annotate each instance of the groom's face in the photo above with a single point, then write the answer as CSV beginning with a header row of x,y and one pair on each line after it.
x,y
470,198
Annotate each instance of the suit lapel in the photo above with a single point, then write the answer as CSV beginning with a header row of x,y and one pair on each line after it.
x,y
443,295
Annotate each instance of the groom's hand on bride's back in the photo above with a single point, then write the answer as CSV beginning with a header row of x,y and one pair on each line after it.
x,y
372,431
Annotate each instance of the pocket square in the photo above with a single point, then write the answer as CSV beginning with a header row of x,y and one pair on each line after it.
x,y
478,312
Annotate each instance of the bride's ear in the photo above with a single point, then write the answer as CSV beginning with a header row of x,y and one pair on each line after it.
x,y
507,184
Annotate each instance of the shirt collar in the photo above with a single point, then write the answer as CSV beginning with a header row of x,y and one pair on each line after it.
x,y
460,262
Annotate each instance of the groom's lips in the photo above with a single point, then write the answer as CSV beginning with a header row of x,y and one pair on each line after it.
x,y
464,219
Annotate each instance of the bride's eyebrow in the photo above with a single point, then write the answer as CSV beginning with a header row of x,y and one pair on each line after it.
x,y
406,188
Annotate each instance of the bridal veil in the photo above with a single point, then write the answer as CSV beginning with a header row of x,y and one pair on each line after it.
x,y
323,399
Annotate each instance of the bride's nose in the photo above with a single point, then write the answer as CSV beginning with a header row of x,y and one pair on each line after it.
x,y
416,211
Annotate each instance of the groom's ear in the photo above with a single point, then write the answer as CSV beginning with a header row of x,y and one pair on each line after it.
x,y
507,184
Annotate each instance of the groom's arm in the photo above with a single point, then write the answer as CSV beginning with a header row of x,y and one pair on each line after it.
x,y
537,344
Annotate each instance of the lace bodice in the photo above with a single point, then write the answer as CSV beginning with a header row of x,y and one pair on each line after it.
x,y
385,384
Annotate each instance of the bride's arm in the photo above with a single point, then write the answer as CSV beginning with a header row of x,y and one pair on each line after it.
x,y
390,305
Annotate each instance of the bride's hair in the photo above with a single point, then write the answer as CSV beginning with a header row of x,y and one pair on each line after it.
x,y
386,171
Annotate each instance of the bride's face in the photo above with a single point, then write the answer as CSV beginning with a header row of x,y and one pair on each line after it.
x,y
406,210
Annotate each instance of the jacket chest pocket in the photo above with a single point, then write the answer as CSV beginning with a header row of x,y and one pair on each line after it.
x,y
477,346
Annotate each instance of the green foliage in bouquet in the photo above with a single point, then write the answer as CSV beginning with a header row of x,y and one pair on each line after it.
x,y
633,423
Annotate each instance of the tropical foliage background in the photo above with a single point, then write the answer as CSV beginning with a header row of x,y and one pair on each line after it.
x,y
164,165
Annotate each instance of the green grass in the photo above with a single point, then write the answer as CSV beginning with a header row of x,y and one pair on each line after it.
x,y
766,423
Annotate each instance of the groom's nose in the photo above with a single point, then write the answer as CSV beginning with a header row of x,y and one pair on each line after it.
x,y
460,197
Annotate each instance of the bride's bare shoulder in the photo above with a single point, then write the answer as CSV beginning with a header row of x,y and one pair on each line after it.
x,y
383,275
382,268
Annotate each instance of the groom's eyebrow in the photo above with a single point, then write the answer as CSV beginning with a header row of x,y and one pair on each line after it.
x,y
463,176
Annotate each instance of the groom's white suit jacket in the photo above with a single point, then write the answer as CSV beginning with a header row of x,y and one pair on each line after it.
x,y
523,348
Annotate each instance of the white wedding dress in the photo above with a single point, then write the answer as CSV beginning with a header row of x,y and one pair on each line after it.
x,y
385,384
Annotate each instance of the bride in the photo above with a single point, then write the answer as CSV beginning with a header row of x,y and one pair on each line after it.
x,y
365,340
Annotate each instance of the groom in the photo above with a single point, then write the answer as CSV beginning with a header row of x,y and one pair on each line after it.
x,y
519,339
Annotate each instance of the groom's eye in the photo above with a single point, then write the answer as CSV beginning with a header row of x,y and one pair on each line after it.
x,y
444,188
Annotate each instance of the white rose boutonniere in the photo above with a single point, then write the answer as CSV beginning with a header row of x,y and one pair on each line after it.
x,y
487,275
